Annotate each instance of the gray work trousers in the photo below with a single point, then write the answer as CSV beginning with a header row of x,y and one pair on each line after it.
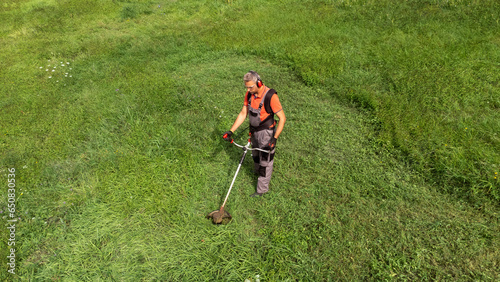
x,y
263,162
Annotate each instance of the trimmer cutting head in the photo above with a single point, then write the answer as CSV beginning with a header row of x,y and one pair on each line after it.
x,y
220,216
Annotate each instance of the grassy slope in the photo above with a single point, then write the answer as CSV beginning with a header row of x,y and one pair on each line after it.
x,y
119,163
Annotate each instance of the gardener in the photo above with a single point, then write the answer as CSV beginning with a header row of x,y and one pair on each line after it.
x,y
262,103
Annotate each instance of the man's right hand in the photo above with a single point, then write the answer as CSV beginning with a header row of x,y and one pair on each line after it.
x,y
228,135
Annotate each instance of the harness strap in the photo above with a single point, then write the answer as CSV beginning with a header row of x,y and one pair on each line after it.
x,y
265,124
266,102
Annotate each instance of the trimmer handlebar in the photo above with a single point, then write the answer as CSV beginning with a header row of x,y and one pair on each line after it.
x,y
247,147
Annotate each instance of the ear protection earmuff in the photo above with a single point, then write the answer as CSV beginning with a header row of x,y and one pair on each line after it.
x,y
259,81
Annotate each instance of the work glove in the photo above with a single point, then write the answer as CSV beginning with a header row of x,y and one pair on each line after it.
x,y
228,135
272,144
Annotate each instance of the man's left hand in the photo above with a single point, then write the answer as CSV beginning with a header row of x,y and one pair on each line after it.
x,y
272,143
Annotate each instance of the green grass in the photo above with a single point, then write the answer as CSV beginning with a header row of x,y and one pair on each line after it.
x,y
385,169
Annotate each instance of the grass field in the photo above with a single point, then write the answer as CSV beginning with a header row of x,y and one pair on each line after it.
x,y
112,114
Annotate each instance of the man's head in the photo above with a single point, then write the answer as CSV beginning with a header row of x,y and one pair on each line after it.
x,y
252,82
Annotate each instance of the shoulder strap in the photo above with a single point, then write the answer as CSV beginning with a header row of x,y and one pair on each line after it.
x,y
267,101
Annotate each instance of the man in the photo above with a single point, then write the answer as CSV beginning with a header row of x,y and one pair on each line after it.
x,y
260,105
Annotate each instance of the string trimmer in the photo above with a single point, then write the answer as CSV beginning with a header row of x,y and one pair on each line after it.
x,y
221,215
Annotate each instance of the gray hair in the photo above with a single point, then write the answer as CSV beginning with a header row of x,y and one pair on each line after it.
x,y
251,76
